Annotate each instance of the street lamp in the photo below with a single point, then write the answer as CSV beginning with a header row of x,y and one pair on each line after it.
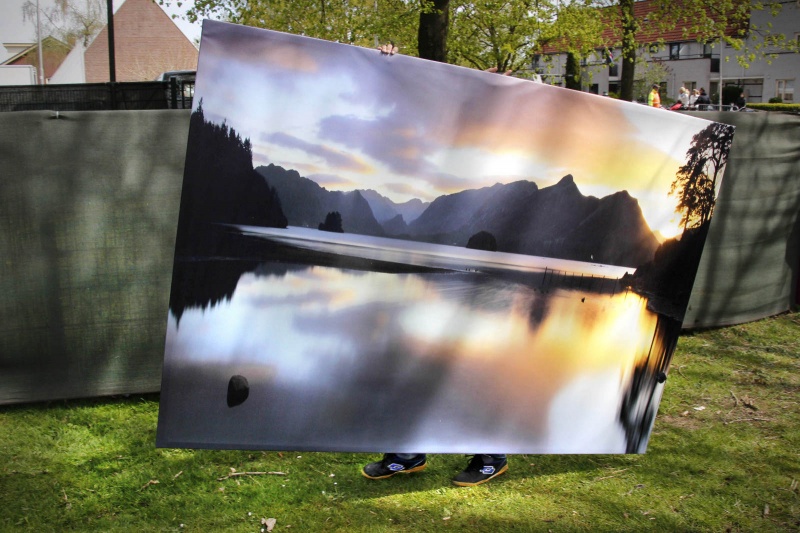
x,y
39,44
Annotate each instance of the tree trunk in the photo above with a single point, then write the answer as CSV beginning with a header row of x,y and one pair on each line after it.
x,y
572,76
628,50
432,37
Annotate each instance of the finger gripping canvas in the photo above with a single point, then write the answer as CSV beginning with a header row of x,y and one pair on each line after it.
x,y
380,253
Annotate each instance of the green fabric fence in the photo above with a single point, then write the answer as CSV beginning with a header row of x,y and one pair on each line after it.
x,y
88,213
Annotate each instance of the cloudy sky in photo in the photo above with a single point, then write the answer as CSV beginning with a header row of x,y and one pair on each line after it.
x,y
351,118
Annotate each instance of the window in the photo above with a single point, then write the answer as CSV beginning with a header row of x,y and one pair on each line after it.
x,y
691,85
785,89
707,50
674,51
613,70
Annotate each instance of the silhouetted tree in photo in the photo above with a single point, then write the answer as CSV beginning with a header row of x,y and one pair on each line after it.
x,y
696,181
670,275
221,187
333,222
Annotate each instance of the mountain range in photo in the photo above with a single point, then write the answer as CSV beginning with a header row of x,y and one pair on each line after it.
x,y
556,221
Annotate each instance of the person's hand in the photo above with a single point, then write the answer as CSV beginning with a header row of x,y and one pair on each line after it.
x,y
494,69
388,49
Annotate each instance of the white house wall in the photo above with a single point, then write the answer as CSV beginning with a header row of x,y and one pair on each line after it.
x,y
71,69
695,64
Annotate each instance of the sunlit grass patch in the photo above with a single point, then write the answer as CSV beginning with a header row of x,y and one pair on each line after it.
x,y
724,456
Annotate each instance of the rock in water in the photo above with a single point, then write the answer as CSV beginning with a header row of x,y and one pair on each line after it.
x,y
483,240
238,390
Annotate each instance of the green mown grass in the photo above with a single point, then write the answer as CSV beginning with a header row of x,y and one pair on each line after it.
x,y
724,456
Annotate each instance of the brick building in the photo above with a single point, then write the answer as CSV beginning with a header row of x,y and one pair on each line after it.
x,y
146,43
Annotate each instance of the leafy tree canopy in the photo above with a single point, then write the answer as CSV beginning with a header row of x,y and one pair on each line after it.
x,y
357,22
498,33
70,21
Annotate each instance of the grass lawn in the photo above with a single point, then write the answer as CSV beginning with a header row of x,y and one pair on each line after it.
x,y
724,456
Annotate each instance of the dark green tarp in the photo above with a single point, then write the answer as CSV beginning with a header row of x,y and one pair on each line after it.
x,y
750,261
87,233
88,213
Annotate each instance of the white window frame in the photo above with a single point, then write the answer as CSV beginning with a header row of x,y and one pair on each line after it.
x,y
784,87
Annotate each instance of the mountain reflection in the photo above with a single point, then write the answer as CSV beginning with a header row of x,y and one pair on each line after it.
x,y
434,360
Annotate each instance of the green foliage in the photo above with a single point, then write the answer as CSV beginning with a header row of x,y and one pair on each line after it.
x,y
496,33
358,22
776,100
722,457
648,73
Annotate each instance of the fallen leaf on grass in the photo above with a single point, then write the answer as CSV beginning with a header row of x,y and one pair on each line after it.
x,y
700,408
766,509
748,402
269,523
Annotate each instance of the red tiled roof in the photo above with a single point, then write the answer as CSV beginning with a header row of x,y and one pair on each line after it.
x,y
648,33
53,54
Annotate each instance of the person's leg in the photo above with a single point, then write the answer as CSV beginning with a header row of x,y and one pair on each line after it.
x,y
481,468
395,463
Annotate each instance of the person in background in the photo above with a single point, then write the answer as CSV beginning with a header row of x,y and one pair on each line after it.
x,y
683,96
480,469
693,97
654,99
740,102
703,101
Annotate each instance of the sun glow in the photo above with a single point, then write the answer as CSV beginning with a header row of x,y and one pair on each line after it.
x,y
667,229
508,164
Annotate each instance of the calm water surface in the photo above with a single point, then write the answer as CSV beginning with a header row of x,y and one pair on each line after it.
x,y
463,361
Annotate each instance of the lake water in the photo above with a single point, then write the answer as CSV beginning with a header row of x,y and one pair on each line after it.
x,y
426,254
464,360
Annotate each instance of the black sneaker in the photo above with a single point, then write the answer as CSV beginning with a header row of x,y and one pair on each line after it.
x,y
481,468
391,464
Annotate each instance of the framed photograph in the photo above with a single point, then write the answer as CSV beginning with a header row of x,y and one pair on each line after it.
x,y
381,253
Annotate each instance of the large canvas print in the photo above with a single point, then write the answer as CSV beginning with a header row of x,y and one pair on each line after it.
x,y
381,253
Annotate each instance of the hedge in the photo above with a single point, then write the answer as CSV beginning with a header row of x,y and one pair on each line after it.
x,y
784,108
